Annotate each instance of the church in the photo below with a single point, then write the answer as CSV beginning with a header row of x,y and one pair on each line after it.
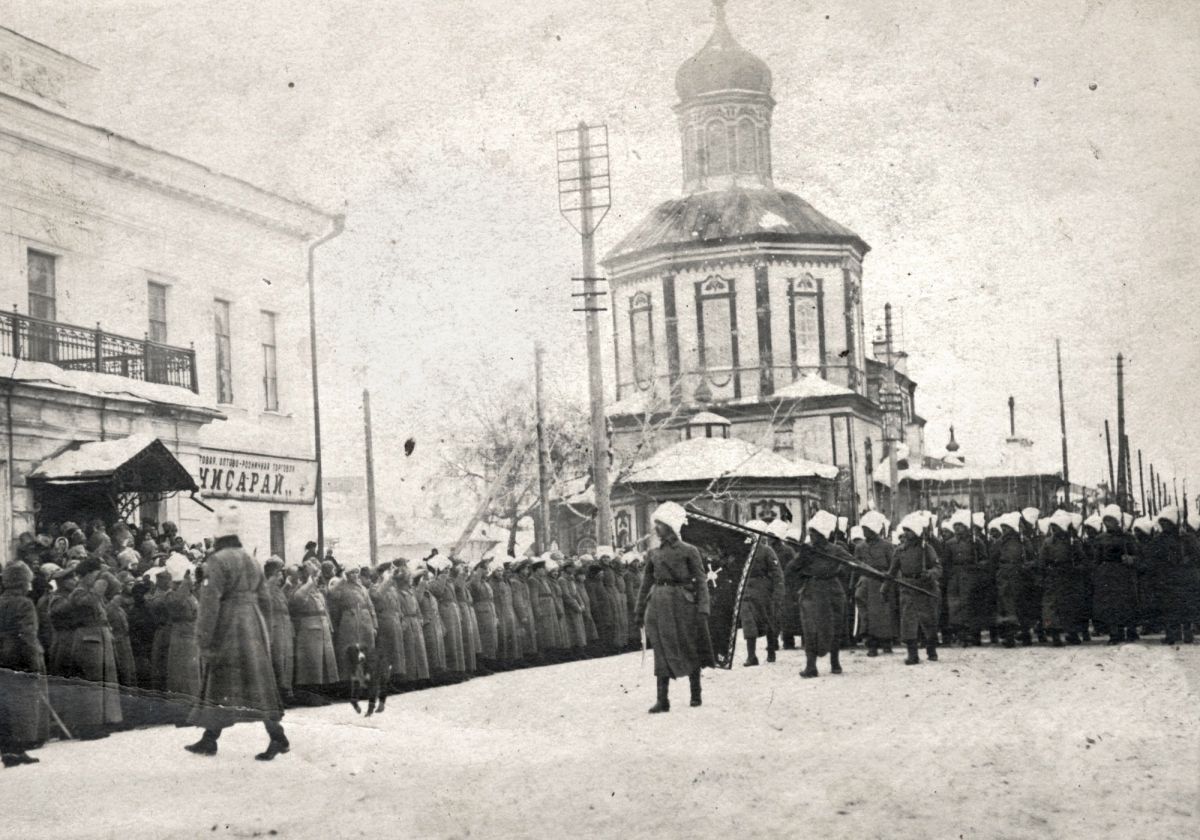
x,y
744,385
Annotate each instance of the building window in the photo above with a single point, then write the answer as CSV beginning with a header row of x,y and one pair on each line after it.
x,y
747,152
718,148
156,294
270,373
641,331
224,351
279,534
624,529
716,329
784,439
807,340
43,280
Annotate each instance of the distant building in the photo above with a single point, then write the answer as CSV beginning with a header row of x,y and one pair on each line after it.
x,y
743,381
146,297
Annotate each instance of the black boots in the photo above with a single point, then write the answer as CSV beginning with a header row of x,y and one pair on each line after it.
x,y
17,758
207,745
1056,639
279,742
931,652
810,666
751,655
789,641
913,658
1073,639
835,663
664,703
1026,638
772,646
694,681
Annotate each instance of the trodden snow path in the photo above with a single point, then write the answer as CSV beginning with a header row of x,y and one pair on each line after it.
x,y
1088,742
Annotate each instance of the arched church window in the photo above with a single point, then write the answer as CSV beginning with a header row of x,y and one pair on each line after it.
x,y
691,153
717,142
764,150
747,142
805,323
641,332
716,329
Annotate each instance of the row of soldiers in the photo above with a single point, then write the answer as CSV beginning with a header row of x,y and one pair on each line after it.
x,y
1019,577
116,629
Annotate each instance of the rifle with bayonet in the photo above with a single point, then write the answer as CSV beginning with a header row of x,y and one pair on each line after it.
x,y
861,568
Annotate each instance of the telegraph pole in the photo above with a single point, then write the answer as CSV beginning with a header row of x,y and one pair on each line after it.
x,y
891,415
543,453
1108,449
1142,484
584,196
370,478
1062,422
1122,485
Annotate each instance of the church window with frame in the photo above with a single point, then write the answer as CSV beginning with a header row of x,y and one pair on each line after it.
x,y
807,339
747,153
717,143
641,334
716,330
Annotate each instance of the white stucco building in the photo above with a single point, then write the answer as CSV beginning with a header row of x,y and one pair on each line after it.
x,y
146,294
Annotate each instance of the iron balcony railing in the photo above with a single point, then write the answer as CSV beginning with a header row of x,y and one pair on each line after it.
x,y
80,348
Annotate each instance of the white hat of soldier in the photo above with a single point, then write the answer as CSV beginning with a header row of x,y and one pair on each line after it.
x,y
229,520
1043,525
1144,524
778,529
1168,514
843,523
795,532
856,533
1095,522
978,519
1076,519
875,522
178,566
1062,519
914,522
671,514
962,517
1113,512
823,522
756,525
1031,515
1011,520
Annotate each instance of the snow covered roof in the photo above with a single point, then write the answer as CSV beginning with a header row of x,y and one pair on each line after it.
x,y
703,459
718,216
1014,462
708,418
102,384
142,461
810,386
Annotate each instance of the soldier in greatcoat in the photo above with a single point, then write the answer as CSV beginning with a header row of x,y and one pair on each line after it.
x,y
281,631
1062,569
1176,557
816,576
238,679
523,608
315,660
442,587
1114,578
916,562
389,644
353,618
466,609
673,604
23,700
877,610
91,700
484,605
761,597
182,610
545,613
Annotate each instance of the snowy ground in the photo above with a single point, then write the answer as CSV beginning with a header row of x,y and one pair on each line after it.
x,y
1088,742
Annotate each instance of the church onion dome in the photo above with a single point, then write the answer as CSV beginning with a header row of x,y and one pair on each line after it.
x,y
722,65
719,217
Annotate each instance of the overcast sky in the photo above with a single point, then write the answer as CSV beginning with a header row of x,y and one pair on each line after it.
x,y
1022,170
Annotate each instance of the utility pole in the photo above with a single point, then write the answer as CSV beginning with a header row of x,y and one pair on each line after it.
x,y
339,224
584,196
1108,447
1153,491
1122,485
1142,484
890,399
374,537
543,453
1062,422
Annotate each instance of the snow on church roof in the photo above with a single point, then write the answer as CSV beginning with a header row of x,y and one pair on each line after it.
x,y
703,459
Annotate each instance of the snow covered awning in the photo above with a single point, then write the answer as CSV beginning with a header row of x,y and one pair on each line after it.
x,y
704,459
136,464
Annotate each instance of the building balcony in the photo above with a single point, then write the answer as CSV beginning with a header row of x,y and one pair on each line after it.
x,y
84,349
